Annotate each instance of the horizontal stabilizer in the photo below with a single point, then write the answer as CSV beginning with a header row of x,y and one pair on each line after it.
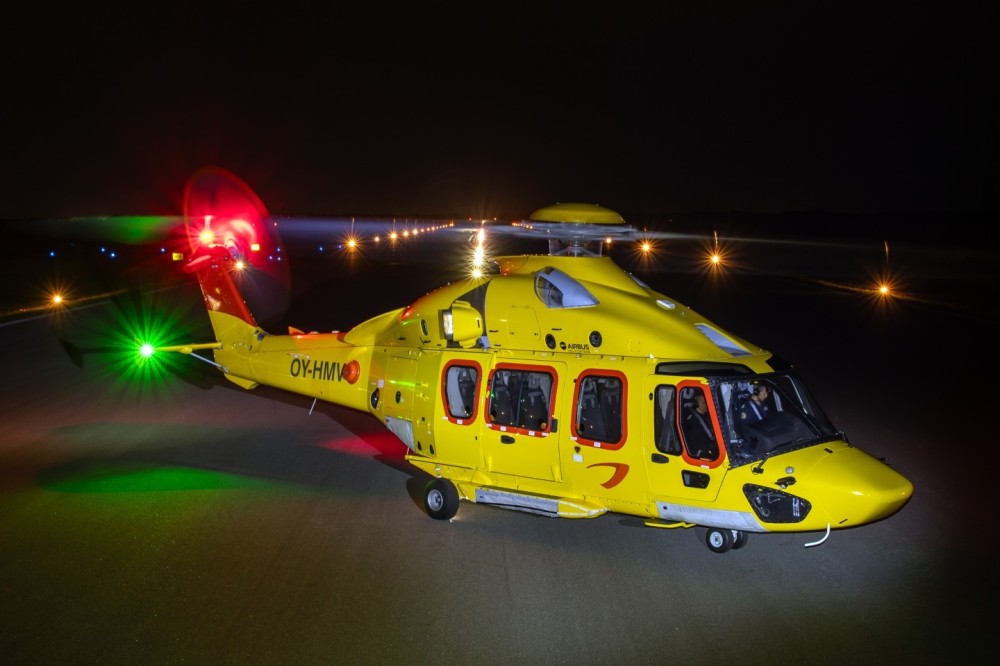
x,y
244,383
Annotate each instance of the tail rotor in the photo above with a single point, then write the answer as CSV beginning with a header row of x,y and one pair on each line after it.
x,y
223,216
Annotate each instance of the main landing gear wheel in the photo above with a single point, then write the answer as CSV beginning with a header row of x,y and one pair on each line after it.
x,y
719,540
441,499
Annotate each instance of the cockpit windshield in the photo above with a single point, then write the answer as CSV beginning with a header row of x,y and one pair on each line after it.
x,y
768,412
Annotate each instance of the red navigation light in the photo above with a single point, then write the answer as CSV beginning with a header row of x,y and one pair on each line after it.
x,y
352,371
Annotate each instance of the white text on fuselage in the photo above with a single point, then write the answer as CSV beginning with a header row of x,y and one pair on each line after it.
x,y
322,370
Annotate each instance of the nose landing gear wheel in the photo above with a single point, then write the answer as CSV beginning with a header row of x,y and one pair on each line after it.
x,y
739,539
441,499
719,540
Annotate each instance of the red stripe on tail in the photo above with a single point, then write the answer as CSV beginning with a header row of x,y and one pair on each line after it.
x,y
217,286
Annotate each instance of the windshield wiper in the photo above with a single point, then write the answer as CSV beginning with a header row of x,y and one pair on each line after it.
x,y
781,448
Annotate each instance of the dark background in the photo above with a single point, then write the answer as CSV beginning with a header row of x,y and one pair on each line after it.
x,y
658,110
188,520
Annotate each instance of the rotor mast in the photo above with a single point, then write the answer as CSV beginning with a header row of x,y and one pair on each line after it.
x,y
578,229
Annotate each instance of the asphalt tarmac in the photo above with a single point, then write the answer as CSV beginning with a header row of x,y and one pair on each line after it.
x,y
179,518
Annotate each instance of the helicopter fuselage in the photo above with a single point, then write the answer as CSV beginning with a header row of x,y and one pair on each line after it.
x,y
564,386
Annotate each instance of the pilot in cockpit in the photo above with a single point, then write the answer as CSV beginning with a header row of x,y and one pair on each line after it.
x,y
698,431
756,408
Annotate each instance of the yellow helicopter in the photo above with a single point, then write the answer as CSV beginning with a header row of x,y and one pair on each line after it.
x,y
563,386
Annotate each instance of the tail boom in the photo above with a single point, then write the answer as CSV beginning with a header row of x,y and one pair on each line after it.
x,y
320,365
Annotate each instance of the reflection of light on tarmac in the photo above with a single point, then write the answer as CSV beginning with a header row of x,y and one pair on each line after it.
x,y
354,446
59,302
476,267
883,292
857,289
132,478
883,286
384,444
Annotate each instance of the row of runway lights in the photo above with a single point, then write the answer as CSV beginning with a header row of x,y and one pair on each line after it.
x,y
645,249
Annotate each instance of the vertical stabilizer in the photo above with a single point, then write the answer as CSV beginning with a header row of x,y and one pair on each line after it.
x,y
217,287
235,327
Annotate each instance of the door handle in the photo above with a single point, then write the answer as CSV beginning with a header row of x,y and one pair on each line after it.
x,y
506,439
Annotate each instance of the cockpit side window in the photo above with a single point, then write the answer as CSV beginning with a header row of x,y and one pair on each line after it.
x,y
665,434
697,425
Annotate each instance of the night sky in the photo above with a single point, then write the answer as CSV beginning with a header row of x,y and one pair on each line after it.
x,y
652,109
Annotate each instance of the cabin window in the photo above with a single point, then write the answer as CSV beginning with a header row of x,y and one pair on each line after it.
x,y
599,419
461,391
521,398
558,290
665,434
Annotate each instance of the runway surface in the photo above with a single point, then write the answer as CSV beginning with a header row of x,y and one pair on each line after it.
x,y
187,520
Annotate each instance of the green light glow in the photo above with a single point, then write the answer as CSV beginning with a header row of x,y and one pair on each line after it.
x,y
132,479
142,325
403,383
150,330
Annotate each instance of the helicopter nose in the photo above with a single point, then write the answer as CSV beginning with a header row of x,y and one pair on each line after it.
x,y
860,489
